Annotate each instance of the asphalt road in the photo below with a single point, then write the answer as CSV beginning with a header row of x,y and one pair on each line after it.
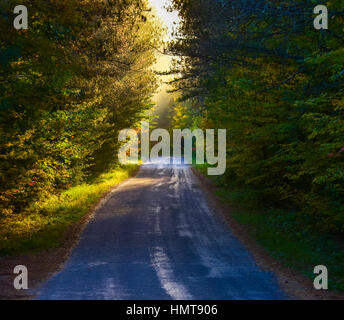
x,y
156,238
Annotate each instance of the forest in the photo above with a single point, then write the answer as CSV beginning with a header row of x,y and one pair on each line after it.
x,y
83,71
69,83
79,74
261,70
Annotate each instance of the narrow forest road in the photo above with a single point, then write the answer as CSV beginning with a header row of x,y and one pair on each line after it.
x,y
157,238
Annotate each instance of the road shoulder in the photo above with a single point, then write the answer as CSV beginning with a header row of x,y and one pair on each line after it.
x,y
42,265
292,282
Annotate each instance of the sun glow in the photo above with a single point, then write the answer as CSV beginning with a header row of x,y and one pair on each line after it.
x,y
170,20
163,99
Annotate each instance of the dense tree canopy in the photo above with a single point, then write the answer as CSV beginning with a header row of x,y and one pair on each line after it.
x,y
68,84
261,70
82,72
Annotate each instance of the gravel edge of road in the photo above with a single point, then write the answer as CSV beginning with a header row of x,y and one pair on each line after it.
x,y
42,265
296,285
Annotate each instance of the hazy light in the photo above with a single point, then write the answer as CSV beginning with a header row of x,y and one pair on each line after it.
x,y
162,99
169,19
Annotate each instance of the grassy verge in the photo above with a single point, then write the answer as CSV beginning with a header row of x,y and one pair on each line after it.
x,y
43,225
285,235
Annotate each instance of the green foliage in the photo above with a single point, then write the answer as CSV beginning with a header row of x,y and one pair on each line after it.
x,y
261,70
68,85
44,222
286,234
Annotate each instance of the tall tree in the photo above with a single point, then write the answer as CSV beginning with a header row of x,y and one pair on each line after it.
x,y
68,84
261,70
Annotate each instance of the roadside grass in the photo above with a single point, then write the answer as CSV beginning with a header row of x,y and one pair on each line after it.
x,y
43,224
285,235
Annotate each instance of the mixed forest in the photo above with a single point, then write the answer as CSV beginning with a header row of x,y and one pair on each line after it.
x,y
261,70
83,71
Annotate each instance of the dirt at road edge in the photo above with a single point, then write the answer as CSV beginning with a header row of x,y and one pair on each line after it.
x,y
292,282
41,266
